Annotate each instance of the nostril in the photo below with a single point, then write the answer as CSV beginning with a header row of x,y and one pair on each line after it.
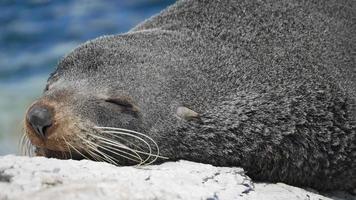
x,y
40,118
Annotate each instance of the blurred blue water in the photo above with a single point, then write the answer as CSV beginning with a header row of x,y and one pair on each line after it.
x,y
35,34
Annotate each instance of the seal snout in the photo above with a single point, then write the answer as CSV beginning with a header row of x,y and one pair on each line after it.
x,y
40,119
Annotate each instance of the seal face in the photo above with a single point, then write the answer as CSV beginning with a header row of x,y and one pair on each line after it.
x,y
268,86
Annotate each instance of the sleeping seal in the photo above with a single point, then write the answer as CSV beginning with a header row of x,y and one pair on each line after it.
x,y
265,85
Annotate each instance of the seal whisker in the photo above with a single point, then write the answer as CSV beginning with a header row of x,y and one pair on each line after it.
x,y
102,157
134,132
24,149
99,155
95,151
93,145
126,140
122,146
63,153
138,151
75,149
22,144
107,157
111,150
95,156
27,147
127,132
99,158
112,143
69,151
150,153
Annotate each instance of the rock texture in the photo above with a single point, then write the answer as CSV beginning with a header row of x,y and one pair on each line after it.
x,y
42,178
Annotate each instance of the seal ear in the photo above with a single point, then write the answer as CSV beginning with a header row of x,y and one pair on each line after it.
x,y
187,114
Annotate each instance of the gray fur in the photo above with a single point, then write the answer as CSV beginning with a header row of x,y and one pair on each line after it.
x,y
274,84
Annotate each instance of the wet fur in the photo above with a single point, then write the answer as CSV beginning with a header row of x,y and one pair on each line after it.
x,y
273,83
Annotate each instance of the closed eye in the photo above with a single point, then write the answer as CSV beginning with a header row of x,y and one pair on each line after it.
x,y
125,105
122,102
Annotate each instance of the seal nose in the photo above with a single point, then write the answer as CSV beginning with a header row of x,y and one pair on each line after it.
x,y
40,118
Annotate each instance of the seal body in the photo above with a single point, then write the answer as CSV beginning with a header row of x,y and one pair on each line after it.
x,y
266,85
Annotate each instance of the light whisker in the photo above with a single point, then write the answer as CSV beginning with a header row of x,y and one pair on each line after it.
x,y
69,151
133,132
128,134
116,144
75,149
113,143
107,157
104,157
94,146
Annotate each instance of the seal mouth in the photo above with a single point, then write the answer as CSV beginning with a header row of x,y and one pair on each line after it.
x,y
64,155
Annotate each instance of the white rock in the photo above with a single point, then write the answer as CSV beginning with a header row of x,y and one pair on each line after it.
x,y
51,179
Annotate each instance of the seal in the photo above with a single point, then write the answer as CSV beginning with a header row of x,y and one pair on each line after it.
x,y
265,85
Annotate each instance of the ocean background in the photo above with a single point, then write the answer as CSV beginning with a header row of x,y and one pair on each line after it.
x,y
35,34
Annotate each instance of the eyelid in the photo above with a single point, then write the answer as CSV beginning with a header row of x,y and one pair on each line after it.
x,y
120,102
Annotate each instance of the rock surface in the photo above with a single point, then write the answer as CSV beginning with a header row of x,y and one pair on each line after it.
x,y
42,178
